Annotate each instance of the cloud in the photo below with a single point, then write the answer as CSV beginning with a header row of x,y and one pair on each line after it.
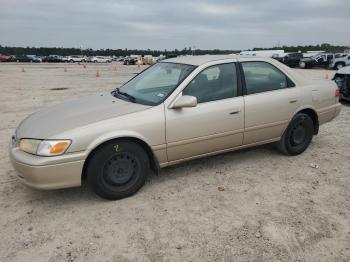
x,y
169,24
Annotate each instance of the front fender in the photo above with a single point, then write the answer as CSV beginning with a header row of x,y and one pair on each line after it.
x,y
114,135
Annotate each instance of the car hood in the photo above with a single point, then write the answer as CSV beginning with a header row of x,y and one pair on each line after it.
x,y
73,114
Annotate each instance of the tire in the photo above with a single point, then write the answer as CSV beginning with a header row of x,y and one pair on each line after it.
x,y
297,136
117,169
339,66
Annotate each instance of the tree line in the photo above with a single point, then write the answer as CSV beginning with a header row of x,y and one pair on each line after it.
x,y
45,51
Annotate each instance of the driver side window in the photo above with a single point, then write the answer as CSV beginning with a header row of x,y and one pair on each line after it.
x,y
213,83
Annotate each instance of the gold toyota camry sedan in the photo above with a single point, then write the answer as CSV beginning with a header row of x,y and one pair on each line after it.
x,y
176,110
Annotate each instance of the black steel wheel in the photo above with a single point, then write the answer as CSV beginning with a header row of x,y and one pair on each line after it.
x,y
117,169
120,169
297,136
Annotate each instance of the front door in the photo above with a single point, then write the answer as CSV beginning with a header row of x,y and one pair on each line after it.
x,y
215,124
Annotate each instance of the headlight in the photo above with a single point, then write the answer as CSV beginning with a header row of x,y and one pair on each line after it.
x,y
29,145
44,147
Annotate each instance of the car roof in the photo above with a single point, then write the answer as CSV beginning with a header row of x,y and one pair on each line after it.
x,y
203,59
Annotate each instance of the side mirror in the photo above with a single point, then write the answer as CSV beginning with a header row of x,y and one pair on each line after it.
x,y
185,101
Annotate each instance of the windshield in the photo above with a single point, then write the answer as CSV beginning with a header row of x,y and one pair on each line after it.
x,y
156,83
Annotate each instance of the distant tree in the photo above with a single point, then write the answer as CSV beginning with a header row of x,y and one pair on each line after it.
x,y
45,51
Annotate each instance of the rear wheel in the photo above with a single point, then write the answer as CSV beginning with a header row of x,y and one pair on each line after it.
x,y
302,64
339,66
117,169
297,136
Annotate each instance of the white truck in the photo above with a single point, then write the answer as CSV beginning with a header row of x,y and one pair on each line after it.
x,y
264,53
100,59
340,61
76,58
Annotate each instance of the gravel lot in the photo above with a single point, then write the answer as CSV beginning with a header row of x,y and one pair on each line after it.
x,y
272,208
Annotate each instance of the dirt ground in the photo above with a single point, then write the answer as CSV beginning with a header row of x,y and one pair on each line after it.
x,y
273,207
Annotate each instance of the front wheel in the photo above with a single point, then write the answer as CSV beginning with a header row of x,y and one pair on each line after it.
x,y
297,136
118,169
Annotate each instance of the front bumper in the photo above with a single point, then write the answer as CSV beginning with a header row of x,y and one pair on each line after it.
x,y
48,172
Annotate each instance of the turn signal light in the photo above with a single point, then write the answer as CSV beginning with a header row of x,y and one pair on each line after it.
x,y
58,148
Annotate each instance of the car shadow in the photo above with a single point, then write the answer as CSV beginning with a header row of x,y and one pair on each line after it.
x,y
345,103
237,156
70,196
62,196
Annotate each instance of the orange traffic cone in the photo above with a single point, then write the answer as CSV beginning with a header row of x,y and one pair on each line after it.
x,y
23,69
97,73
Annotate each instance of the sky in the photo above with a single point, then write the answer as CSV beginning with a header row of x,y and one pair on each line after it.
x,y
164,24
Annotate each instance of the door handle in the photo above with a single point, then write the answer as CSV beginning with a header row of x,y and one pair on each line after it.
x,y
235,111
293,100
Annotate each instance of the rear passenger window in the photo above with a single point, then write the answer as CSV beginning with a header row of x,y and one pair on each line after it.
x,y
263,77
213,83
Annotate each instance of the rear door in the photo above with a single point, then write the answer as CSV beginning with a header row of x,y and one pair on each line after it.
x,y
270,99
216,123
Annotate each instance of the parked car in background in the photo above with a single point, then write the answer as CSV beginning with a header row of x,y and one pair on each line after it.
x,y
340,61
100,59
118,58
121,58
54,59
76,58
20,58
4,58
148,60
263,53
130,61
34,58
342,79
289,59
312,53
319,60
25,58
177,110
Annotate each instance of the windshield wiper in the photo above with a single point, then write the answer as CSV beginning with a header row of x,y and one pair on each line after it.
x,y
128,96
